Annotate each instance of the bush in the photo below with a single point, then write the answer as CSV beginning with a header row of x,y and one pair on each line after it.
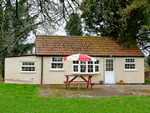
x,y
0,77
147,81
147,74
146,66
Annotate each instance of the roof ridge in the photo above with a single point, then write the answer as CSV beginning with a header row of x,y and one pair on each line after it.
x,y
69,36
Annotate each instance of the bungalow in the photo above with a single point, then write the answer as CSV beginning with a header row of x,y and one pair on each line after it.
x,y
114,62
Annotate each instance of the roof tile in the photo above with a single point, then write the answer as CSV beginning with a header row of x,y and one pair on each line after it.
x,y
93,46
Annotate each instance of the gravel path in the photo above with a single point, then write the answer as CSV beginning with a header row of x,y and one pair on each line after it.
x,y
98,91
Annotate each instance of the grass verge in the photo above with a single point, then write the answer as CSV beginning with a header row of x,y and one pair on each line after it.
x,y
24,99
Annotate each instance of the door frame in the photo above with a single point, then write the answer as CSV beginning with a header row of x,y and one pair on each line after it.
x,y
105,69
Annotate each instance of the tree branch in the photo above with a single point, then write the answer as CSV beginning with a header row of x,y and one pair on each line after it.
x,y
17,12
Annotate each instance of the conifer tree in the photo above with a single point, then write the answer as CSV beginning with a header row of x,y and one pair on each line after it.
x,y
74,25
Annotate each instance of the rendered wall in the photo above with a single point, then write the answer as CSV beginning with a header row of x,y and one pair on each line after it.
x,y
57,77
13,70
13,67
129,76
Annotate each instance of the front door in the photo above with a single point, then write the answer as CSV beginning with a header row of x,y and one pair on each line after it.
x,y
109,71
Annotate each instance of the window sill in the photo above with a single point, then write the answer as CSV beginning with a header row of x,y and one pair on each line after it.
x,y
57,69
130,70
26,72
85,73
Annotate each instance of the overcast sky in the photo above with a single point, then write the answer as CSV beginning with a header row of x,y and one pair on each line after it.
x,y
60,31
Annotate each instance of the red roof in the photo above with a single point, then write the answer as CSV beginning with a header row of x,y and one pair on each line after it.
x,y
89,45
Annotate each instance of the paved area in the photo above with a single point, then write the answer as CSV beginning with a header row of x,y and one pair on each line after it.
x,y
98,91
146,87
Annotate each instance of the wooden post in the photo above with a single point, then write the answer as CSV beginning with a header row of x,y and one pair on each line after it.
x,y
88,82
69,87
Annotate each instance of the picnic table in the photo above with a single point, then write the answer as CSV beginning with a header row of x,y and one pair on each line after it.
x,y
88,82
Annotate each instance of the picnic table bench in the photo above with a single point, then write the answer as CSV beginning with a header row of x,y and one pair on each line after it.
x,y
88,82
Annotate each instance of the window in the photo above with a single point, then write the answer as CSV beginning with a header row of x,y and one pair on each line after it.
x,y
83,67
28,66
57,63
109,64
130,63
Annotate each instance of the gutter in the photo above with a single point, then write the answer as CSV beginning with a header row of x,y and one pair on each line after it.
x,y
19,56
68,55
41,69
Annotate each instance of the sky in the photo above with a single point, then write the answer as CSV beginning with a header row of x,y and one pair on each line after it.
x,y
60,31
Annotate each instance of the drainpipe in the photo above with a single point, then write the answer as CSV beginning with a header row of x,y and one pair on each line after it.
x,y
4,72
42,70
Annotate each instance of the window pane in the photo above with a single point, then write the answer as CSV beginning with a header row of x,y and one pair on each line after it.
x,y
126,66
130,60
53,59
61,59
82,68
32,63
57,59
107,61
96,68
83,62
111,61
57,65
111,69
97,62
75,62
90,68
90,62
109,64
107,69
33,69
22,69
29,68
129,66
26,68
61,65
75,68
27,63
133,66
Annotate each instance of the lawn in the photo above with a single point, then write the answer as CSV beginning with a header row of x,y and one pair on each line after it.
x,y
15,98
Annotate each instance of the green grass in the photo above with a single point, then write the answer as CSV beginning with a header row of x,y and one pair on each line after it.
x,y
24,99
147,80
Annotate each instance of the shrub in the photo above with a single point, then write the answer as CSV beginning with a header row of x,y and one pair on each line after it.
x,y
0,77
147,81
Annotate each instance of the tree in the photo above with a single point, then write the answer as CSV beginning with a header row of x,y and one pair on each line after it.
x,y
73,26
20,17
126,21
13,31
148,60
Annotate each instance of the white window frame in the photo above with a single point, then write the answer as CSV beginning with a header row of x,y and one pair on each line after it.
x,y
130,63
86,72
56,69
28,66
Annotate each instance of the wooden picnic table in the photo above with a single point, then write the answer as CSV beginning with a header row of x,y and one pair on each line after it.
x,y
88,82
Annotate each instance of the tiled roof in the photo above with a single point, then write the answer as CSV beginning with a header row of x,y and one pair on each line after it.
x,y
93,46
